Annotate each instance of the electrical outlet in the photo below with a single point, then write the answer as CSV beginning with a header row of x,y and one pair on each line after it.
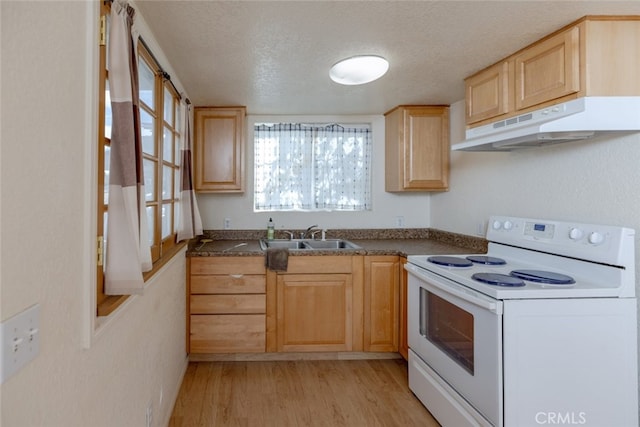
x,y
20,340
226,224
399,221
480,228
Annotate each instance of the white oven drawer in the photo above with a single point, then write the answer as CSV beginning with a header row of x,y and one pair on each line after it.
x,y
459,338
439,398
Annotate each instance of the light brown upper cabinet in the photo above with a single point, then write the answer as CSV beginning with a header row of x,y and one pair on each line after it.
x,y
548,70
219,149
594,56
417,148
488,93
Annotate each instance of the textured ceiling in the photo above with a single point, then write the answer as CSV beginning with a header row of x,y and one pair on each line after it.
x,y
274,56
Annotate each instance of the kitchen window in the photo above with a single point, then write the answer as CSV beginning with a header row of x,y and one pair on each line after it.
x,y
160,114
312,167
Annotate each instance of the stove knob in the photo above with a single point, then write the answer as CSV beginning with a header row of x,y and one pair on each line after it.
x,y
508,225
596,238
496,225
575,234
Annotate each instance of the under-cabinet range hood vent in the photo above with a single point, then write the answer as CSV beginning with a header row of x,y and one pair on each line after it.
x,y
580,118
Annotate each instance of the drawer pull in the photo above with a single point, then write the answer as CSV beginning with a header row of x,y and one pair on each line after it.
x,y
237,276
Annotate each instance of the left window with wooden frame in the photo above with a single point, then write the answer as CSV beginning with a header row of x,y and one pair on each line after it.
x,y
162,130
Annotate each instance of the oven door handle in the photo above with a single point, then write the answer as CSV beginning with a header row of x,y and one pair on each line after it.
x,y
456,290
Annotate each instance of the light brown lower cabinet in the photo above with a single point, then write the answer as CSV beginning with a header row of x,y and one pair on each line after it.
x,y
314,312
227,333
381,303
315,305
226,302
403,345
320,304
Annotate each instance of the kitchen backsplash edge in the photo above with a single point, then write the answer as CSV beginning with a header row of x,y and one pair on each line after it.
x,y
478,244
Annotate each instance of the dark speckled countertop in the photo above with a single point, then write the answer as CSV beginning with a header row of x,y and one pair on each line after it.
x,y
403,242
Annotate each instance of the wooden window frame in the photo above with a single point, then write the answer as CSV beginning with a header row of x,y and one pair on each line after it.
x,y
164,249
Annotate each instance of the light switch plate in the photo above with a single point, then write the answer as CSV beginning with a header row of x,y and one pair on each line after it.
x,y
20,340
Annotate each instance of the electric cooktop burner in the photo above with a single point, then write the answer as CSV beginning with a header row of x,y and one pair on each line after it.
x,y
450,261
497,279
546,277
486,260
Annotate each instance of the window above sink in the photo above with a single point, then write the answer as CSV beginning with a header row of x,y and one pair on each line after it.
x,y
312,167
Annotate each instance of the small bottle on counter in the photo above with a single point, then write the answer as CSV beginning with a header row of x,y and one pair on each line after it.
x,y
270,229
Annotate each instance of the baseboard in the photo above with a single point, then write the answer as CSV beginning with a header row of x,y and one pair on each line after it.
x,y
265,357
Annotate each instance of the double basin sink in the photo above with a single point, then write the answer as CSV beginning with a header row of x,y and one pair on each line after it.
x,y
308,244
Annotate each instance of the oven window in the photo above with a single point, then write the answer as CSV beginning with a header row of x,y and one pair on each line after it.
x,y
448,327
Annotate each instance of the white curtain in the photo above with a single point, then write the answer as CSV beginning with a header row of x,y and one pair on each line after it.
x,y
190,224
128,251
312,167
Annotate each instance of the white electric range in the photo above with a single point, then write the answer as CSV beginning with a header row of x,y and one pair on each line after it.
x,y
539,330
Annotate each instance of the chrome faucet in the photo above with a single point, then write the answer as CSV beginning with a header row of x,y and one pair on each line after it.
x,y
290,233
304,234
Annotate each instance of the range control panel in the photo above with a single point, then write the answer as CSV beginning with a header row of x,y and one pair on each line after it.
x,y
594,242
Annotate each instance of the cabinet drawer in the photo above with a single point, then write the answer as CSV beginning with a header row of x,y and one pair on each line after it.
x,y
227,333
231,304
228,284
319,264
227,265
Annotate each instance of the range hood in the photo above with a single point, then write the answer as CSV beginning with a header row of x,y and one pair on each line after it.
x,y
580,118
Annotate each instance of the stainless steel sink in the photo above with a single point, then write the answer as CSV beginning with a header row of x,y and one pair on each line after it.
x,y
332,244
308,244
285,244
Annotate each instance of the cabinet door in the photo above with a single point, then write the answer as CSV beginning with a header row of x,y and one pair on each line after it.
x,y
381,303
314,312
488,93
403,345
219,149
417,149
548,70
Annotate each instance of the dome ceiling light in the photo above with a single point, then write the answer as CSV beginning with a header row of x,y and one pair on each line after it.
x,y
359,69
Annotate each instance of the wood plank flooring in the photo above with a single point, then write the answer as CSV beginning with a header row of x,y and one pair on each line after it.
x,y
305,393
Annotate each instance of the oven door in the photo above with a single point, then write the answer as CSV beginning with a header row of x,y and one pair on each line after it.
x,y
457,332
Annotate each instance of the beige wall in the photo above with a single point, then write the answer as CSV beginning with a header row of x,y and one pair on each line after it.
x,y
413,207
593,181
46,229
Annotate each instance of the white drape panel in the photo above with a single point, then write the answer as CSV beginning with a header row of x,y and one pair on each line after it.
x,y
190,223
307,167
128,251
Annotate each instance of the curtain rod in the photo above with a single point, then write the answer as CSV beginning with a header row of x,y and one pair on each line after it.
x,y
165,75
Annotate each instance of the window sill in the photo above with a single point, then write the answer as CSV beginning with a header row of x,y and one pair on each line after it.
x,y
112,302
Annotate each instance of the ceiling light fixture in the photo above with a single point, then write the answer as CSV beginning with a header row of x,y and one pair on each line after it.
x,y
359,69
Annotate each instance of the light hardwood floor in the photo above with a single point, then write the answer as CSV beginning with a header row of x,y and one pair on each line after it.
x,y
331,393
